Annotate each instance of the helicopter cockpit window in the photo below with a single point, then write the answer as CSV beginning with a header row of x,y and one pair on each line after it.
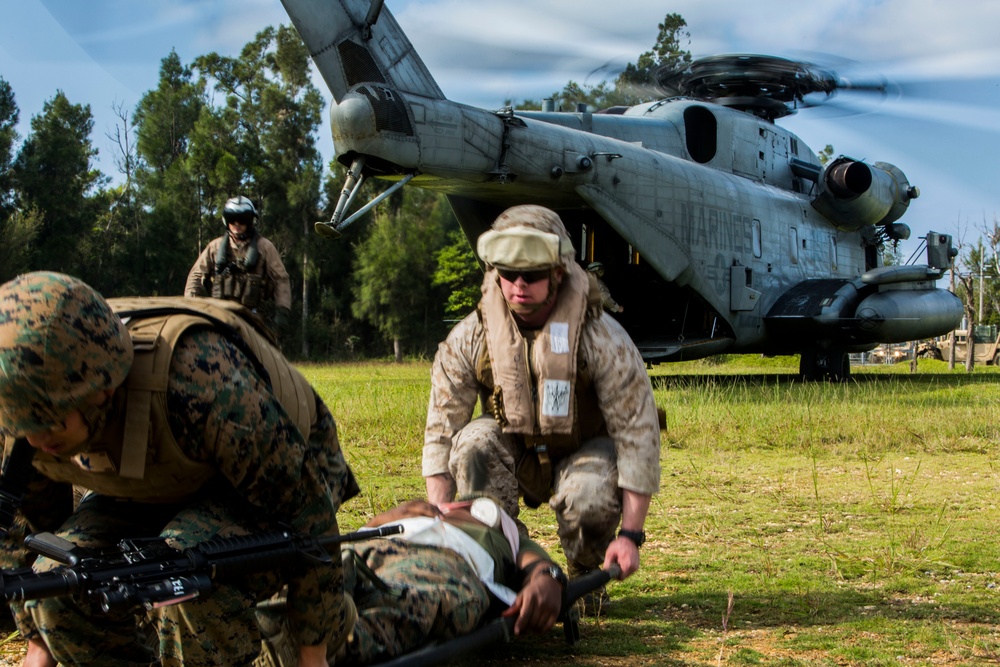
x,y
700,129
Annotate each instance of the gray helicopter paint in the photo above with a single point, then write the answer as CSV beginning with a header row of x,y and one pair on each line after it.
x,y
757,229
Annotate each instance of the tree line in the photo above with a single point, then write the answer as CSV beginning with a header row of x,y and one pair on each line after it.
x,y
224,126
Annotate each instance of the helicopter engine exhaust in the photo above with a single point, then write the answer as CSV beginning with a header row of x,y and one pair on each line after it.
x,y
854,194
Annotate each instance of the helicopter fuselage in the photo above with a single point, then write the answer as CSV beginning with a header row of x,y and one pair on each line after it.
x,y
720,231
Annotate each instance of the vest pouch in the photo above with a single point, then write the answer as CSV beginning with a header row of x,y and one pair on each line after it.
x,y
534,479
252,288
216,290
230,287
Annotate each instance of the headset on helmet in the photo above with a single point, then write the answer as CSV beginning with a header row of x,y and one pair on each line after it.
x,y
60,343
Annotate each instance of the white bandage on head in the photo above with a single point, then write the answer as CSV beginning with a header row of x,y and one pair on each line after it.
x,y
489,512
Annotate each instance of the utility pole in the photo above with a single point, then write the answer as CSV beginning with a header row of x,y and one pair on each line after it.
x,y
982,273
951,334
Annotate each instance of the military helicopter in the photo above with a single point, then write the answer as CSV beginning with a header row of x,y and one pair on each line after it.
x,y
719,230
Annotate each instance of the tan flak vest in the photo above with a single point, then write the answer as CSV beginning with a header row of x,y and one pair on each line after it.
x,y
136,456
586,420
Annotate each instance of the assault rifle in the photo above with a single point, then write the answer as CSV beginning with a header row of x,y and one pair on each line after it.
x,y
147,572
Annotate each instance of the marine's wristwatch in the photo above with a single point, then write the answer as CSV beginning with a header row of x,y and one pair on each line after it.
x,y
637,536
556,573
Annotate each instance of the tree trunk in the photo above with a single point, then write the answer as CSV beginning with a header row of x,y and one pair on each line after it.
x,y
397,349
305,288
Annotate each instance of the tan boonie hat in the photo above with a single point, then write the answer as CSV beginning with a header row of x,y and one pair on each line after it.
x,y
526,237
60,343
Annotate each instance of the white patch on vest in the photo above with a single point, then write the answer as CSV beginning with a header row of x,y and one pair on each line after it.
x,y
559,337
94,462
555,402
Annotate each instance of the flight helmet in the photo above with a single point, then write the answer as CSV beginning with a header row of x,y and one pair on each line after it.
x,y
240,209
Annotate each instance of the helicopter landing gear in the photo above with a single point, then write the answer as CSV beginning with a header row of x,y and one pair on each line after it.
x,y
819,364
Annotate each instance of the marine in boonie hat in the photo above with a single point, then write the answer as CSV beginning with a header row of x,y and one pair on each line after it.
x,y
60,343
526,237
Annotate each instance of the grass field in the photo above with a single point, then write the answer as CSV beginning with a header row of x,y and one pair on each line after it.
x,y
797,523
852,524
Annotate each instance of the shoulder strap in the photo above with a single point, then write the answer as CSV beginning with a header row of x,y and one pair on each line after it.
x,y
221,253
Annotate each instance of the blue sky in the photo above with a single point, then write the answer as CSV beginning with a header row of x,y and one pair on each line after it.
x,y
944,132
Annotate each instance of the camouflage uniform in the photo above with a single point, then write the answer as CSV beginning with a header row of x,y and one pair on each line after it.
x,y
607,300
221,413
614,443
269,267
421,593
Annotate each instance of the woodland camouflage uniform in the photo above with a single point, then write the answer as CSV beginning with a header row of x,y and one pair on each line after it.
x,y
59,344
420,593
614,443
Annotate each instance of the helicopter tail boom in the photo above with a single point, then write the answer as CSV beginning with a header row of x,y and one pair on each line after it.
x,y
355,41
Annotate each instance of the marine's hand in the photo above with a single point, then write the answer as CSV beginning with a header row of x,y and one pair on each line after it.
x,y
623,552
440,488
38,655
313,656
537,605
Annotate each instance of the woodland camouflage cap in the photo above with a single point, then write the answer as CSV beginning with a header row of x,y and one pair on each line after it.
x,y
60,343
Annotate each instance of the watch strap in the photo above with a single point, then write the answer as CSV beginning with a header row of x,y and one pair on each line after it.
x,y
636,536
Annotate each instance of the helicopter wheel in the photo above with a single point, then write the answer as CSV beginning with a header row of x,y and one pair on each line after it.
x,y
818,364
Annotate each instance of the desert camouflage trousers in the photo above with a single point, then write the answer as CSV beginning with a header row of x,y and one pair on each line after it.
x,y
585,493
219,629
418,593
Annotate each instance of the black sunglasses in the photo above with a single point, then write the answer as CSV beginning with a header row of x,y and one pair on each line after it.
x,y
511,275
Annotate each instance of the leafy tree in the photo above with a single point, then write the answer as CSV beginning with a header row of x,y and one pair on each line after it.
x,y
17,228
9,116
637,82
458,272
825,155
53,175
667,53
394,265
17,234
169,233
262,143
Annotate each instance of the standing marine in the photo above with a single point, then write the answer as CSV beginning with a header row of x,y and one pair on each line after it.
x,y
243,266
568,412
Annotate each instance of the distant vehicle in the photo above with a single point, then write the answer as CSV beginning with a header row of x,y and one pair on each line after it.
x,y
985,345
889,354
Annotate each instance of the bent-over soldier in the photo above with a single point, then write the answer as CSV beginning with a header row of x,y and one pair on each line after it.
x,y
183,425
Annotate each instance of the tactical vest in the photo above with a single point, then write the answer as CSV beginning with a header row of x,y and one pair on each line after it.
x,y
240,280
589,420
136,455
